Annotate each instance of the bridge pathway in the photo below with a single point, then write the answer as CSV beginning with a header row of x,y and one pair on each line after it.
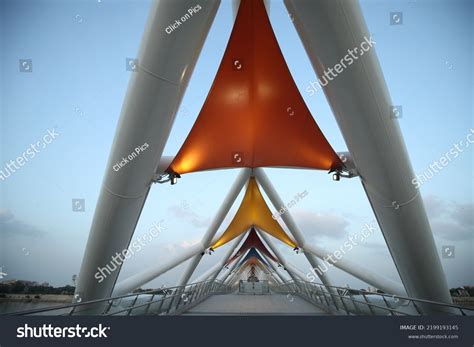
x,y
251,304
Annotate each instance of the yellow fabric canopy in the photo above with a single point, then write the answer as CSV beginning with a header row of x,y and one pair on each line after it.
x,y
253,211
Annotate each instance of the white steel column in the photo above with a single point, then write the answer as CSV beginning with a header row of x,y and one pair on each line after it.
x,y
155,90
272,266
214,271
276,251
231,278
380,282
240,181
361,103
296,271
135,281
272,194
232,268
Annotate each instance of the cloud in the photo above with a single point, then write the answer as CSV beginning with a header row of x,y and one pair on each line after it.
x,y
11,227
185,213
449,220
5,215
188,243
322,224
434,206
452,231
375,246
178,247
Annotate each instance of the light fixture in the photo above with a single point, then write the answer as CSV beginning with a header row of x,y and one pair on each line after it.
x,y
336,176
174,178
165,177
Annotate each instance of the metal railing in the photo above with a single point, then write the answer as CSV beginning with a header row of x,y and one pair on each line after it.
x,y
341,300
163,301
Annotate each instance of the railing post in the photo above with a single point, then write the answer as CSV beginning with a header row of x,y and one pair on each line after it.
x,y
417,308
163,297
193,291
131,305
319,293
354,303
180,291
203,289
368,304
148,307
343,303
199,291
325,298
171,302
107,309
72,311
388,305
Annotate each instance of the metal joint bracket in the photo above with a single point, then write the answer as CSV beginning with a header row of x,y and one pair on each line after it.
x,y
166,177
344,173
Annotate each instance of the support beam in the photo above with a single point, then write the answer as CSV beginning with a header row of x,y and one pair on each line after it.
x,y
231,279
154,93
287,218
239,183
362,106
380,282
195,251
277,253
357,271
232,268
214,271
262,268
296,271
133,282
275,273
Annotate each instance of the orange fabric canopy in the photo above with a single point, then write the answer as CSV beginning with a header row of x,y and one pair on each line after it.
x,y
253,211
253,261
254,115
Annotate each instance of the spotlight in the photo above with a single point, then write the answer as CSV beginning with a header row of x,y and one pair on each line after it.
x,y
336,176
174,178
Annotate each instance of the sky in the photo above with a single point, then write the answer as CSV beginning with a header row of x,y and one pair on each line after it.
x,y
76,53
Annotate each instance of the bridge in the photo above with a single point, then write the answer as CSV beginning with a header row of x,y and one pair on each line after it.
x,y
244,298
255,118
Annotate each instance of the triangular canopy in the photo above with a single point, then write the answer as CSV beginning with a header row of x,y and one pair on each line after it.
x,y
253,211
254,115
252,253
252,241
253,261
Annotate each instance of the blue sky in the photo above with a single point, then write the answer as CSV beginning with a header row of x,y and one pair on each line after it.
x,y
77,85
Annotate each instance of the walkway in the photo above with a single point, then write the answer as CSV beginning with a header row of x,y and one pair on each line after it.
x,y
249,304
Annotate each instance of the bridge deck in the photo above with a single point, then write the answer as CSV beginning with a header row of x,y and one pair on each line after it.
x,y
249,304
